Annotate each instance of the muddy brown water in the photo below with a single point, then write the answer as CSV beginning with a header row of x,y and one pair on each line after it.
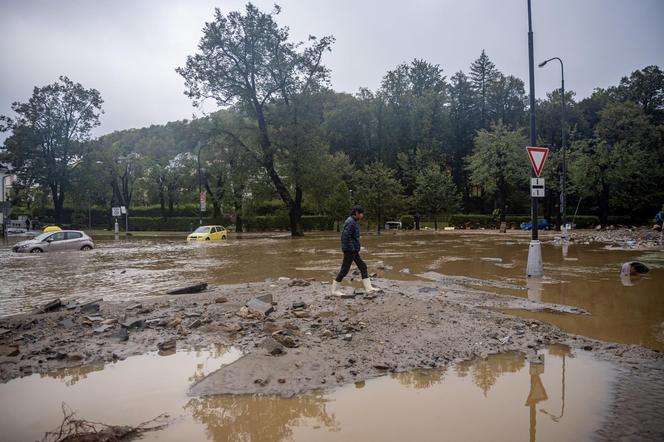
x,y
585,276
513,399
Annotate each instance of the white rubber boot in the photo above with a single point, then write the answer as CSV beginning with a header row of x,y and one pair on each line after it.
x,y
336,290
368,287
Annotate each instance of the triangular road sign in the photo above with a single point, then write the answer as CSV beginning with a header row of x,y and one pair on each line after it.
x,y
537,157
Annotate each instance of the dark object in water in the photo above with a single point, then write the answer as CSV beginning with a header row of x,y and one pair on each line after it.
x,y
196,288
633,268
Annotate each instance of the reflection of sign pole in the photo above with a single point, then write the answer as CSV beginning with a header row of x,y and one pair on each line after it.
x,y
537,394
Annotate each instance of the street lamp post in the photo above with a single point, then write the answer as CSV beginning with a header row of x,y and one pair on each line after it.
x,y
563,124
563,177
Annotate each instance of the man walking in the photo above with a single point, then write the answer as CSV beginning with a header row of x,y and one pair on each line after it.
x,y
350,245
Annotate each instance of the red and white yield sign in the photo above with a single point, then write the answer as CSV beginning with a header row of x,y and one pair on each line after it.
x,y
537,157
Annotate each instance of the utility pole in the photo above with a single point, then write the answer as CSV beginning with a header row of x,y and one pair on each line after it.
x,y
534,266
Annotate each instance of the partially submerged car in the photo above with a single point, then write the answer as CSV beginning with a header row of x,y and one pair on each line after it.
x,y
55,242
207,233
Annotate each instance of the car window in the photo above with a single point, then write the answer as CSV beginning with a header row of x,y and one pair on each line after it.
x,y
202,230
59,236
73,235
213,230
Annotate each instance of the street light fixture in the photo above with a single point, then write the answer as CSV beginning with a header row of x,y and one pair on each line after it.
x,y
563,177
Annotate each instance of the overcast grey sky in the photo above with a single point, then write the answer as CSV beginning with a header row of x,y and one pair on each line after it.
x,y
128,49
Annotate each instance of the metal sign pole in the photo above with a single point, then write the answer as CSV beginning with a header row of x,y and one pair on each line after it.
x,y
534,266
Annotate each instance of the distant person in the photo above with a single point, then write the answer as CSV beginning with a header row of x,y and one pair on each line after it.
x,y
659,220
350,246
27,224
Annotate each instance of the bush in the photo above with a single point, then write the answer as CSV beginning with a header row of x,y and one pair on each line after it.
x,y
472,221
176,224
584,221
282,222
407,222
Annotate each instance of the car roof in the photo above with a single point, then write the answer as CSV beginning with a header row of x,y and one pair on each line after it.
x,y
213,225
64,231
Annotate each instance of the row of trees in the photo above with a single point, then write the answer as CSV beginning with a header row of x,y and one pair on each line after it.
x,y
421,144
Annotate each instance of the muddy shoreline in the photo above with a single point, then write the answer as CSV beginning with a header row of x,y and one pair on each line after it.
x,y
329,342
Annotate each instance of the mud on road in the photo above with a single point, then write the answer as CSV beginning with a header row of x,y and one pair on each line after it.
x,y
313,340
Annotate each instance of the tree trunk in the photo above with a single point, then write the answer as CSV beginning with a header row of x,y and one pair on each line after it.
x,y
237,204
295,213
435,223
58,196
294,207
162,204
604,204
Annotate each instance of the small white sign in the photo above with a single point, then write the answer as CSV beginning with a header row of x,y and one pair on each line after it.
x,y
537,187
116,211
123,210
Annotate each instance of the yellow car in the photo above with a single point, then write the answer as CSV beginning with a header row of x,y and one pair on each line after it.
x,y
207,233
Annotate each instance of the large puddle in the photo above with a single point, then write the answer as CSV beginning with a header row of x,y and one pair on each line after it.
x,y
584,276
502,397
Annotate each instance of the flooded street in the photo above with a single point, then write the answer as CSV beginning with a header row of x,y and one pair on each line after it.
x,y
513,398
587,277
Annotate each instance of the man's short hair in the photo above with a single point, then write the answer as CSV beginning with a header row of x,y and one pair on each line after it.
x,y
356,210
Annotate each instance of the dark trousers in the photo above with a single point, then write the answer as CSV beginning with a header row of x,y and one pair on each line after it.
x,y
350,257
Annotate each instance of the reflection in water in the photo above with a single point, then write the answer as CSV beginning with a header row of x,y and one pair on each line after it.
x,y
418,405
420,378
535,288
562,351
71,375
259,418
486,371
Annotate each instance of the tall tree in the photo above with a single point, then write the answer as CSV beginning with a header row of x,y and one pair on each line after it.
x,y
49,133
435,193
499,163
379,191
483,74
248,60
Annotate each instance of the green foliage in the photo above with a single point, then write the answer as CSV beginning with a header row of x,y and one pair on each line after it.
x,y
378,190
407,222
435,193
499,163
176,224
267,223
471,221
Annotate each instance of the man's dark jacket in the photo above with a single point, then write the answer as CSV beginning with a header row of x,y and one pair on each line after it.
x,y
350,236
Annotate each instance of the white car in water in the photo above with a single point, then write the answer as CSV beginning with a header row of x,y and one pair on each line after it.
x,y
55,242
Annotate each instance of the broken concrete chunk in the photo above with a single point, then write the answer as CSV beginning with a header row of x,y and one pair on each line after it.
x,y
221,300
284,339
299,305
267,298
95,318
273,347
299,283
195,323
196,288
167,345
51,306
89,308
346,295
260,306
135,306
102,328
130,323
122,334
9,350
